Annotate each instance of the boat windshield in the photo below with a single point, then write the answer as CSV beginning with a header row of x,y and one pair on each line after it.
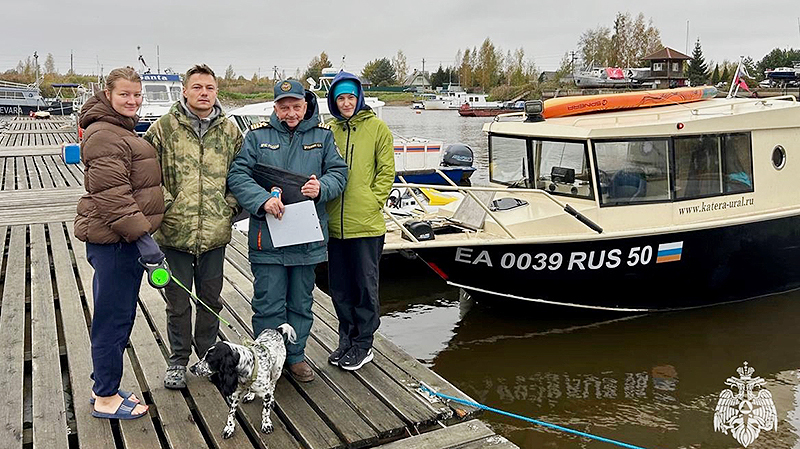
x,y
558,166
156,92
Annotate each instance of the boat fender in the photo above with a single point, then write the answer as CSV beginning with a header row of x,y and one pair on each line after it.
x,y
422,230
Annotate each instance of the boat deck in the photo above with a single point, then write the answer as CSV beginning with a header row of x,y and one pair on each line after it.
x,y
45,316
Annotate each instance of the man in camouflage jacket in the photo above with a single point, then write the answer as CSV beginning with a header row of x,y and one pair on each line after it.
x,y
196,145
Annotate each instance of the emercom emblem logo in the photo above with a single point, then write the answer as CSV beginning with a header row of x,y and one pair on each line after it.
x,y
748,411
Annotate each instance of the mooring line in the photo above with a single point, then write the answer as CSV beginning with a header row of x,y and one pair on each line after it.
x,y
424,388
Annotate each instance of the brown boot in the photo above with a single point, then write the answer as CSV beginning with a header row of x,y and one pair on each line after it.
x,y
301,372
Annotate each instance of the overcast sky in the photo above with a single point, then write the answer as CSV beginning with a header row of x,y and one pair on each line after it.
x,y
257,35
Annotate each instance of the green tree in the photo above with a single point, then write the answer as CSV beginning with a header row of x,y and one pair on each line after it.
x,y
400,64
629,42
489,65
316,65
443,76
715,76
465,69
697,70
380,72
726,74
49,64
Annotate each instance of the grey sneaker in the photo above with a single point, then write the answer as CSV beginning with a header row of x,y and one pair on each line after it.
x,y
175,379
355,358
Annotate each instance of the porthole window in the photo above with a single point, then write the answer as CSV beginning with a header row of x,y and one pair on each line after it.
x,y
778,157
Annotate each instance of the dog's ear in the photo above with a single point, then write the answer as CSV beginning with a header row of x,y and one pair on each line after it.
x,y
228,375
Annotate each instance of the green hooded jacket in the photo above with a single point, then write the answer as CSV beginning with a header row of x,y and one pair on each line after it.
x,y
194,172
367,145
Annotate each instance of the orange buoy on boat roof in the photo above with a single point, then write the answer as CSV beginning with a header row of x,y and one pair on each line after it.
x,y
566,106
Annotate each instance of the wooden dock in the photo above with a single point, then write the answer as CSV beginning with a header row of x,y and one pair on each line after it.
x,y
46,311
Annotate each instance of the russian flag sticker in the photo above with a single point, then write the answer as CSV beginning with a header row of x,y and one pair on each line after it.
x,y
669,252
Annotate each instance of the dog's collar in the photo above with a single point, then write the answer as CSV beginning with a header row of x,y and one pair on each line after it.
x,y
254,376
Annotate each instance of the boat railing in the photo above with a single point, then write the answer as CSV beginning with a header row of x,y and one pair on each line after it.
x,y
468,191
15,85
694,110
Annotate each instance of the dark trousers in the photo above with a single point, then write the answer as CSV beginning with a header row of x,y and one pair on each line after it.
x,y
205,272
283,294
116,282
353,281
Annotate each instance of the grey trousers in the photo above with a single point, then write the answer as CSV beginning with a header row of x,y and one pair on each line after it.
x,y
205,272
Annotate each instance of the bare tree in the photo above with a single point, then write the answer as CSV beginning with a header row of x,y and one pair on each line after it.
x,y
400,64
49,64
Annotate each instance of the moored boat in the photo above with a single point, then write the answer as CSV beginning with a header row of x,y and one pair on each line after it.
x,y
670,207
24,99
161,91
468,110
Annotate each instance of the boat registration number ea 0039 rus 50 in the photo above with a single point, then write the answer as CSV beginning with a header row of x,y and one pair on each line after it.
x,y
575,260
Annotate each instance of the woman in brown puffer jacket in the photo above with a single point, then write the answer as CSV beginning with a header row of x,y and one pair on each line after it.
x,y
122,206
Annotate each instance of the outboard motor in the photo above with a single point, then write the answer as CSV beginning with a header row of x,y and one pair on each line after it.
x,y
457,155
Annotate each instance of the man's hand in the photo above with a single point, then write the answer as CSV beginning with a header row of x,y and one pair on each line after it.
x,y
311,187
275,207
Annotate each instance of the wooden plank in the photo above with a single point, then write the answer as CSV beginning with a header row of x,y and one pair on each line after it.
x,y
10,182
393,387
50,197
49,421
293,409
44,174
139,432
21,173
32,215
448,437
210,404
33,175
72,173
12,336
170,406
58,178
402,364
92,433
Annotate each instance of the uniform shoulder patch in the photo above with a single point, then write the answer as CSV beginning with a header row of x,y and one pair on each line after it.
x,y
259,125
324,126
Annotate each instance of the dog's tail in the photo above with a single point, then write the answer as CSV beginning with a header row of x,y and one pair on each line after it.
x,y
288,331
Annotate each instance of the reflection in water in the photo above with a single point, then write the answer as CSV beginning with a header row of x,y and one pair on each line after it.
x,y
649,380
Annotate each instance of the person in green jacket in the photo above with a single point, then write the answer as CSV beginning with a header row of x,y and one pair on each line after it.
x,y
196,145
357,226
293,140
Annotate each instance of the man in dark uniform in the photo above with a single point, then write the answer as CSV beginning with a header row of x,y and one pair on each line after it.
x,y
294,140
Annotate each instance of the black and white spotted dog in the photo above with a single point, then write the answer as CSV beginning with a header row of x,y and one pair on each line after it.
x,y
244,372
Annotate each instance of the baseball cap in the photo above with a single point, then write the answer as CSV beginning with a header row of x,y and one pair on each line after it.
x,y
289,88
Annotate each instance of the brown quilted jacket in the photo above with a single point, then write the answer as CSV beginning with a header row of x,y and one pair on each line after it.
x,y
122,178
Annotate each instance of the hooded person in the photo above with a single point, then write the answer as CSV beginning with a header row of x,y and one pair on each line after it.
x,y
293,140
196,145
357,226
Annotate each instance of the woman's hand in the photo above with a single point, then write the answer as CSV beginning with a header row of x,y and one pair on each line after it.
x,y
311,187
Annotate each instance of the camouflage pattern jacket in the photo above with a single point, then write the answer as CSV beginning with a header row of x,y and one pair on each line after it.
x,y
194,172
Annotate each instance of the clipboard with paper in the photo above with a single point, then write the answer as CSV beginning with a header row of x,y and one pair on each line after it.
x,y
299,224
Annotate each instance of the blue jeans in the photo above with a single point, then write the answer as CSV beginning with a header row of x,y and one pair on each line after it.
x,y
117,277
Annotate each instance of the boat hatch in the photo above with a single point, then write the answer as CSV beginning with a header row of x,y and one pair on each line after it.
x,y
560,167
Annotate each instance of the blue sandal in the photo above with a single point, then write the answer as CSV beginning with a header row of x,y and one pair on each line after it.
x,y
124,411
124,394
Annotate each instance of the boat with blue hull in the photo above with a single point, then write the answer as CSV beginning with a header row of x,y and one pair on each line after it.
x,y
670,207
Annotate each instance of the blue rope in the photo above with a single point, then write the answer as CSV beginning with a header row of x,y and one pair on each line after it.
x,y
531,420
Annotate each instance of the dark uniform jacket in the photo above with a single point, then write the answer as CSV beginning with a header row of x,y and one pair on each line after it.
x,y
122,178
308,150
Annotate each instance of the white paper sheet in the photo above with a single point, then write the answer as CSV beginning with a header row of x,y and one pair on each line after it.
x,y
299,224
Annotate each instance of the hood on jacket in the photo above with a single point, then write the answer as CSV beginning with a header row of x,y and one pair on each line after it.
x,y
360,104
201,125
310,120
99,109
